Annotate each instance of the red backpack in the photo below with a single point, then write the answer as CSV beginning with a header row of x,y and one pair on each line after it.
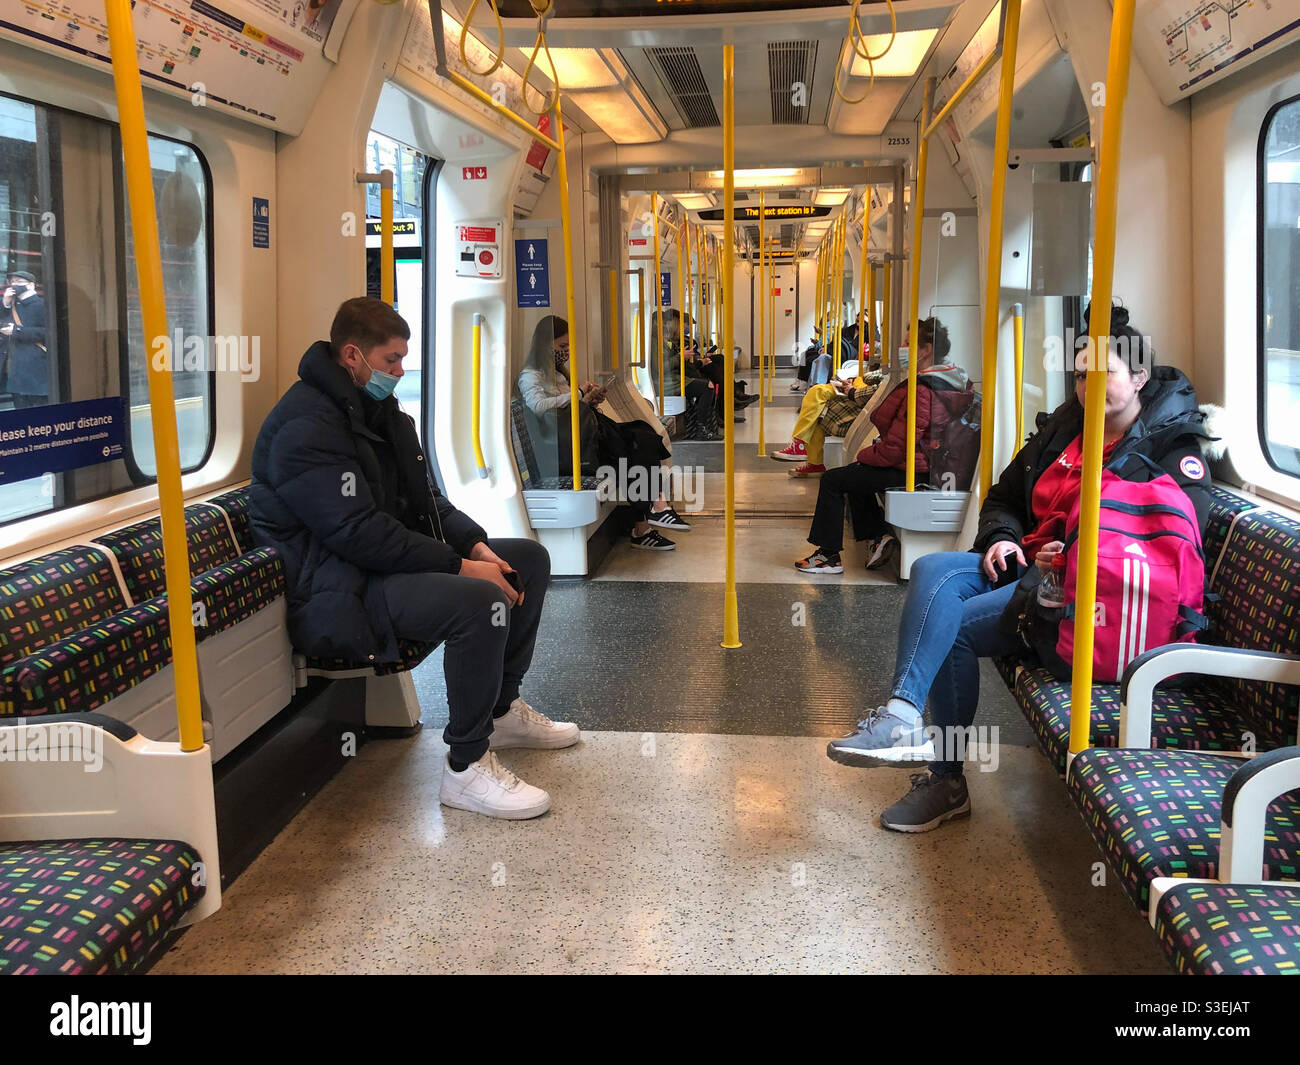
x,y
1150,573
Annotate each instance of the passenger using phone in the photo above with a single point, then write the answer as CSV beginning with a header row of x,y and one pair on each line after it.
x,y
24,360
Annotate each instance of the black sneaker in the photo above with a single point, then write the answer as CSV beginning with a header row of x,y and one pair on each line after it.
x,y
650,540
820,562
931,801
669,519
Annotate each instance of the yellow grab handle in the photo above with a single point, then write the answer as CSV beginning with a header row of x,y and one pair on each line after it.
x,y
162,410
477,394
730,611
918,226
1018,315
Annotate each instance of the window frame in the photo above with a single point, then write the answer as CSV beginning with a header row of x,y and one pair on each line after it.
x,y
137,477
1261,355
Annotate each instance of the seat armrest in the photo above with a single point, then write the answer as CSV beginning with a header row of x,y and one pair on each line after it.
x,y
1141,676
1245,809
119,729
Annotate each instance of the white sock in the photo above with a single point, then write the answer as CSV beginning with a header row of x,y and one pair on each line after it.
x,y
904,711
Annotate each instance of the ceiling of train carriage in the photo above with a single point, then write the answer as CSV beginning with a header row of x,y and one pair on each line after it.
x,y
642,70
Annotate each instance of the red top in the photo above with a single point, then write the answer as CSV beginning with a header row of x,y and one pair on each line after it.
x,y
1054,496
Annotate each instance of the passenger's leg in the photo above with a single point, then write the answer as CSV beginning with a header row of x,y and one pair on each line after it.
x,y
893,735
868,515
810,410
533,564
827,532
460,611
954,695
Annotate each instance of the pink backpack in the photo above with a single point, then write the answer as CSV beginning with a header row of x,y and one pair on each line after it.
x,y
1150,573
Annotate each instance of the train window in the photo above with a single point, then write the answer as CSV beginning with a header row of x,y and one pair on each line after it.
x,y
1279,287
72,350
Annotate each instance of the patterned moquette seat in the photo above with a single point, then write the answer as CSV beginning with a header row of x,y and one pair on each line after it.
x,y
91,906
234,505
410,654
1231,929
1158,813
526,456
139,549
46,600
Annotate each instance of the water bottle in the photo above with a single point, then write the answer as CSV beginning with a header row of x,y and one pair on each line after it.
x,y
1051,591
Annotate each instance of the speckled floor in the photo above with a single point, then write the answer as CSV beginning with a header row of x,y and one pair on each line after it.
x,y
672,853
699,827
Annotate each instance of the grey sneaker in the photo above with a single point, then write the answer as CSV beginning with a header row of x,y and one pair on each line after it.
x,y
882,739
931,801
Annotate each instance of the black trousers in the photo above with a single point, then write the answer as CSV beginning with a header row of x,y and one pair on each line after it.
x,y
805,368
489,644
858,484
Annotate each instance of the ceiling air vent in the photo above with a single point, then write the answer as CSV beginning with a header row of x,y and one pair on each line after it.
x,y
679,69
790,63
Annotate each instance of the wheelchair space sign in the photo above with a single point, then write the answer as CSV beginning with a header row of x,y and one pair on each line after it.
x,y
532,273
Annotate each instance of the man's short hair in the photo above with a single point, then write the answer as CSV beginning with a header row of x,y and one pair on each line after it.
x,y
367,323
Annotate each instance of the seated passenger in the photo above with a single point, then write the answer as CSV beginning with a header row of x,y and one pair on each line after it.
x,y
883,464
632,450
826,410
701,415
953,614
374,554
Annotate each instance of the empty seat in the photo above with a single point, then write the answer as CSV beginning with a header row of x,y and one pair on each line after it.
x,y
91,906
1230,929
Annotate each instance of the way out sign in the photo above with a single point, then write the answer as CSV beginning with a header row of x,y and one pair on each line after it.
x,y
532,273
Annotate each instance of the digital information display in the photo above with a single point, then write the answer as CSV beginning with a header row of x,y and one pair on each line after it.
x,y
750,214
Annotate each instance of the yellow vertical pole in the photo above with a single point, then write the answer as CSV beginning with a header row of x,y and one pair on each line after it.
x,y
730,611
683,301
615,334
870,272
149,274
386,237
639,353
699,289
914,319
841,240
819,313
763,294
863,270
886,333
1094,417
659,305
476,394
1018,316
574,429
997,208
771,322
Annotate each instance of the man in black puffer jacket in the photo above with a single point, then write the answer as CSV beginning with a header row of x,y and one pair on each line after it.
x,y
373,552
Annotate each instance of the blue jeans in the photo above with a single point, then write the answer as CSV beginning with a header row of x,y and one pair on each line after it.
x,y
951,619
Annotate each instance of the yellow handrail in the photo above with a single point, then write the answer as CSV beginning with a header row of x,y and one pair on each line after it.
x,y
698,331
659,306
476,395
997,210
162,410
763,293
887,317
386,255
841,235
980,70
1018,316
639,345
731,613
918,231
863,270
771,323
575,444
1094,417
682,258
870,272
615,335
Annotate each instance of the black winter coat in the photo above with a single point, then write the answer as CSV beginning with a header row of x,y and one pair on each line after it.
x,y
328,494
1169,428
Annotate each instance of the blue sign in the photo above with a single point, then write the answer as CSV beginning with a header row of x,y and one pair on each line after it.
x,y
532,273
63,436
261,222
665,289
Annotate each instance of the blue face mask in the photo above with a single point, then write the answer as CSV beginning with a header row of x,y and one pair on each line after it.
x,y
380,385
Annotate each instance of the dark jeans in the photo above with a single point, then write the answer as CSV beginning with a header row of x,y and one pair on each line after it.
x,y
484,662
951,619
859,484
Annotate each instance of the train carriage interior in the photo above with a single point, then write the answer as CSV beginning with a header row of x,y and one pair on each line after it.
x,y
770,323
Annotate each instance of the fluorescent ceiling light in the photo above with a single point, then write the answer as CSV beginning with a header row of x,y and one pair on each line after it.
x,y
902,59
757,175
618,116
694,201
579,68
831,197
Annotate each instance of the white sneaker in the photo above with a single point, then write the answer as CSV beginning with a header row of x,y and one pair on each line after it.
x,y
488,787
522,726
